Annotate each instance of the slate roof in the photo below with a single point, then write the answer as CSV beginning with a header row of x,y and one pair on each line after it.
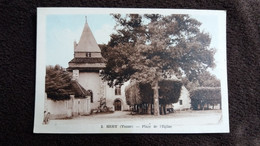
x,y
87,42
87,60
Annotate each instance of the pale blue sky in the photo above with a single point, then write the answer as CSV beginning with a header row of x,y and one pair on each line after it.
x,y
63,30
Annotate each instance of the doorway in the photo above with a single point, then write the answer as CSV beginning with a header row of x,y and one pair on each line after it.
x,y
117,105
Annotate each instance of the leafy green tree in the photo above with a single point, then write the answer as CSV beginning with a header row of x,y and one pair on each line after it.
x,y
147,48
205,79
57,83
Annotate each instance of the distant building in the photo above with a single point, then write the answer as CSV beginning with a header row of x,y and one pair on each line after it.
x,y
184,102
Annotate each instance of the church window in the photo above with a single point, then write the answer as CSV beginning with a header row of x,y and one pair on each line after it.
x,y
180,102
118,90
88,54
91,96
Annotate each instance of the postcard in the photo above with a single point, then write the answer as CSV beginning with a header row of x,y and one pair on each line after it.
x,y
121,70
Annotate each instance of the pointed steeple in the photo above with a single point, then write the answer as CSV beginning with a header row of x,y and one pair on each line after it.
x,y
87,42
87,54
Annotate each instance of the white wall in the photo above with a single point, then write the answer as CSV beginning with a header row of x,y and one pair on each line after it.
x,y
186,101
67,108
111,97
91,81
57,109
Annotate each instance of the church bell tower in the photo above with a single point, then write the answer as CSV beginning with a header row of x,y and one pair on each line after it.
x,y
86,65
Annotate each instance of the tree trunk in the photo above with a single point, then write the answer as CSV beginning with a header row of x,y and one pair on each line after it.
x,y
152,109
149,109
145,108
140,108
162,109
156,99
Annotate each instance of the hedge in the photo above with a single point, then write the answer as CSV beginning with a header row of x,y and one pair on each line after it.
x,y
205,95
74,88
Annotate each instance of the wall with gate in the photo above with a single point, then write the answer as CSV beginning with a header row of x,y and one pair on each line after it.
x,y
67,108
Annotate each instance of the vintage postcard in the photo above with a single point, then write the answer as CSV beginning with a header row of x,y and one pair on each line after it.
x,y
118,70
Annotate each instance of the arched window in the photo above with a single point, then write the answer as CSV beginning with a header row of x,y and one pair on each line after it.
x,y
91,96
180,102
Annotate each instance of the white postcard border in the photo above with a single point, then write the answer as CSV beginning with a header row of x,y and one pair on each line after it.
x,y
223,127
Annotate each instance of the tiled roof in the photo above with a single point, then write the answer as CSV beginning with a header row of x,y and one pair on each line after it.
x,y
87,60
78,90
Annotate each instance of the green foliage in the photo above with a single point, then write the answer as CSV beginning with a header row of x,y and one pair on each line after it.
x,y
118,65
132,93
205,79
129,28
57,83
151,46
170,91
140,93
205,95
208,80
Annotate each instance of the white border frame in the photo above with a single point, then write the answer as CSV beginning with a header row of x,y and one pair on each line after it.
x,y
223,127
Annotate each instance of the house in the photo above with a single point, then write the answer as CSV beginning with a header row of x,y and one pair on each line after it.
x,y
184,102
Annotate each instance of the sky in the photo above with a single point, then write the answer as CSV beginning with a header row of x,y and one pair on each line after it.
x,y
63,29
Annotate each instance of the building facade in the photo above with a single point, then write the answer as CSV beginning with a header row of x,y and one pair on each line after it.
x,y
86,66
184,102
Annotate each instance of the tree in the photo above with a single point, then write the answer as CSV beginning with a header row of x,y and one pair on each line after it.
x,y
205,79
57,83
147,48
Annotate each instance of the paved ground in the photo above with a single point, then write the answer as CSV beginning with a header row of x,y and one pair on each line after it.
x,y
207,117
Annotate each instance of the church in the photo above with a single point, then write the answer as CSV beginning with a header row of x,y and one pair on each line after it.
x,y
86,66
